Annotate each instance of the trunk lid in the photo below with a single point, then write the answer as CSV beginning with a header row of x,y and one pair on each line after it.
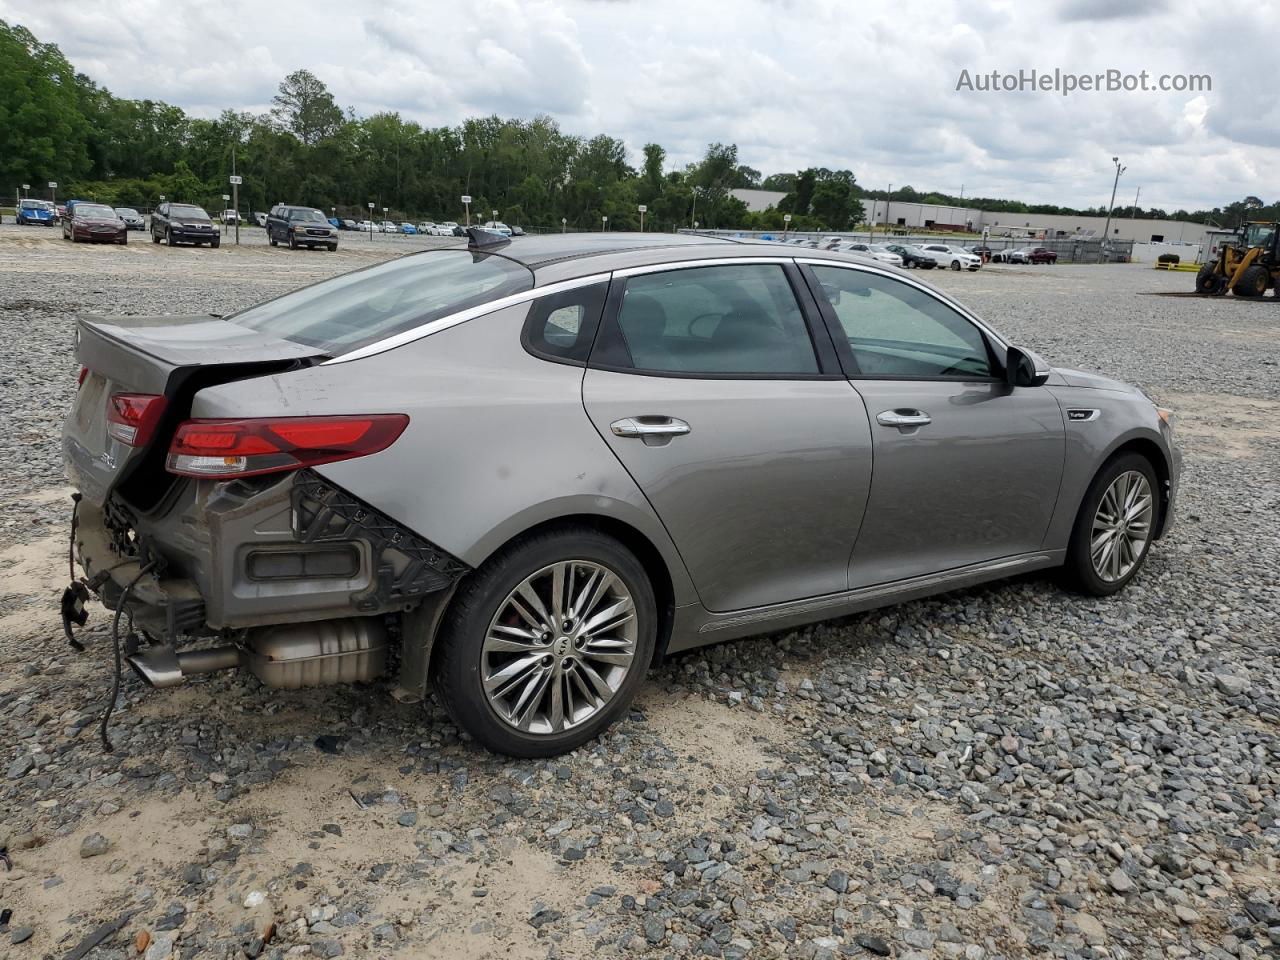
x,y
171,356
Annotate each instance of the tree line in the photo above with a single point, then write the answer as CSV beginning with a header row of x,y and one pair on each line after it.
x,y
59,125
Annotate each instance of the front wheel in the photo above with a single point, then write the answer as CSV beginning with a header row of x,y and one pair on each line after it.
x,y
216,243
1115,526
955,265
333,248
293,241
546,644
1253,281
168,238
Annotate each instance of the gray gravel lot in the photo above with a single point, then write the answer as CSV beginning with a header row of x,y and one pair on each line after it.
x,y
1002,772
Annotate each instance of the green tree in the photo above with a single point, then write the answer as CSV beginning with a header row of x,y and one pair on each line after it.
x,y
305,107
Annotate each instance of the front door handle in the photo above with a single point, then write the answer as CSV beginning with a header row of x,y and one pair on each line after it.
x,y
658,428
903,418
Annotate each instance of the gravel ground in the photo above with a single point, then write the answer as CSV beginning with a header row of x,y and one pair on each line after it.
x,y
1002,772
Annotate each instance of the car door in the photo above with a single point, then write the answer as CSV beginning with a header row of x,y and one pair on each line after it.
x,y
967,468
719,391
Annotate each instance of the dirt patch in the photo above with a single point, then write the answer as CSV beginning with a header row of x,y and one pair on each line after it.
x,y
1224,424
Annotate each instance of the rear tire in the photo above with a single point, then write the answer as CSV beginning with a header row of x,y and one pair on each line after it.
x,y
955,265
1253,282
1208,280
560,664
1100,564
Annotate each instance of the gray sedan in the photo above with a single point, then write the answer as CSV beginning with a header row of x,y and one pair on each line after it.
x,y
534,466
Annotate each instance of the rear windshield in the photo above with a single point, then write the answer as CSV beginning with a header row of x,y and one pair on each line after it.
x,y
360,308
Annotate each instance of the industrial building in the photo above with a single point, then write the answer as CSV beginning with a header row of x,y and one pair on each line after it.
x,y
908,217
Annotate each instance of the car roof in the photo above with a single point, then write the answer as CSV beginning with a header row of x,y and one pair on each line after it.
x,y
557,257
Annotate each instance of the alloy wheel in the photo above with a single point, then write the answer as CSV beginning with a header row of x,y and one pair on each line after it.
x,y
1121,526
559,647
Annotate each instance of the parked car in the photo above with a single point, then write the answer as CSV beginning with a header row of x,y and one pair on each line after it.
x,y
39,212
176,223
93,223
230,216
259,218
132,218
639,475
1013,255
957,258
408,229
459,231
427,228
498,227
1042,255
388,226
368,226
912,256
300,227
350,225
875,251
517,231
60,210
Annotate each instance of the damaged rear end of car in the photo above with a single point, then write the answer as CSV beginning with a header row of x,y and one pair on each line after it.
x,y
215,537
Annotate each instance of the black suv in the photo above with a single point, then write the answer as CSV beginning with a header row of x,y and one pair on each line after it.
x,y
183,223
300,227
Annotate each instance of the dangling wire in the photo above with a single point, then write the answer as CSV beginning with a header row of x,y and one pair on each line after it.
x,y
115,643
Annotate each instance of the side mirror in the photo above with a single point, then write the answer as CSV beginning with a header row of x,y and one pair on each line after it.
x,y
1022,368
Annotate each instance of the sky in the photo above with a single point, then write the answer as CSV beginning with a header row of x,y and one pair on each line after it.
x,y
867,86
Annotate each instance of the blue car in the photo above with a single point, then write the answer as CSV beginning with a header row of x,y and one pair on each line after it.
x,y
36,211
335,222
408,228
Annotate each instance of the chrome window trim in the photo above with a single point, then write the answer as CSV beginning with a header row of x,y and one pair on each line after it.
x,y
690,264
462,316
894,275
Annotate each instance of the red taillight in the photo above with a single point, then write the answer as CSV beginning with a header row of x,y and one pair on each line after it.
x,y
223,449
132,417
80,378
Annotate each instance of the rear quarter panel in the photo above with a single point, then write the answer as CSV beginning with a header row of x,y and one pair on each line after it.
x,y
498,440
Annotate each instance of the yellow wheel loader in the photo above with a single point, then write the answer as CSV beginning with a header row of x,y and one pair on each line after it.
x,y
1248,267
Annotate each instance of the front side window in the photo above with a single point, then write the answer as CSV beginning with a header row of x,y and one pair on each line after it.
x,y
717,320
897,330
360,308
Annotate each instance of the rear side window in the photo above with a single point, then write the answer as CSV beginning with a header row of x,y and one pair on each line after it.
x,y
715,321
562,326
360,308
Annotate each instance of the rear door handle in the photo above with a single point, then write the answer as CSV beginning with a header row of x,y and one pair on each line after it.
x,y
645,427
903,418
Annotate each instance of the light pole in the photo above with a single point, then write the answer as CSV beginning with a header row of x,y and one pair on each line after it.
x,y
888,194
643,210
1135,204
225,198
53,194
1106,230
384,219
494,221
786,223
370,221
466,203
25,188
564,224
604,224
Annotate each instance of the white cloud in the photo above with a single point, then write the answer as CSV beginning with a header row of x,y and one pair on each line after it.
x,y
869,87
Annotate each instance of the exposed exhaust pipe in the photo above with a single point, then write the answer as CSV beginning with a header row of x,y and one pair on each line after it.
x,y
166,667
346,650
